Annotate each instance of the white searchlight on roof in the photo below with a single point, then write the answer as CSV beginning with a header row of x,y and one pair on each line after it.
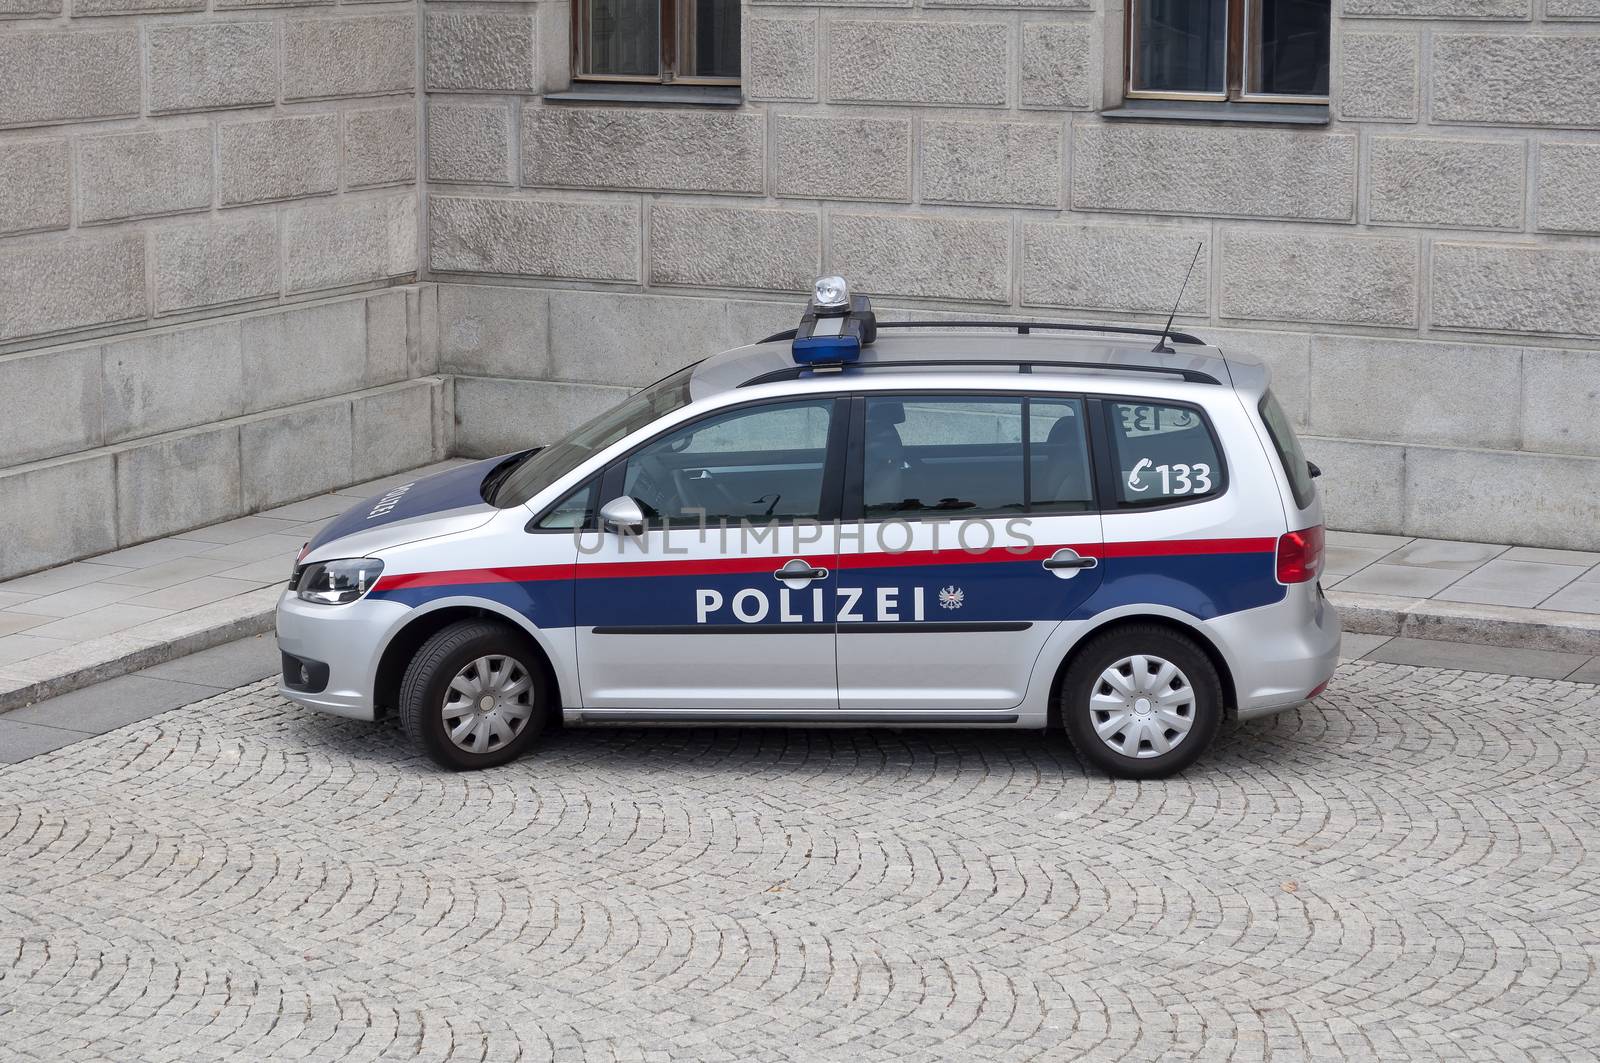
x,y
836,325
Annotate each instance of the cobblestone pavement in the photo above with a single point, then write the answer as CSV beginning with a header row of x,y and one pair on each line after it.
x,y
1405,871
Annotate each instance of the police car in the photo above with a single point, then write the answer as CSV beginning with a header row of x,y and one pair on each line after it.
x,y
853,523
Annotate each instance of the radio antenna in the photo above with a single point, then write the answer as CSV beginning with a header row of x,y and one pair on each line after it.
x,y
1161,344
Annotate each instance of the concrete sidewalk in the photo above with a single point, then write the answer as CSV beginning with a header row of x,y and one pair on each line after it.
x,y
122,612
68,627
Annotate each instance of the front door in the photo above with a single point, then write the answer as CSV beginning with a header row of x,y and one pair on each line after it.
x,y
978,537
724,600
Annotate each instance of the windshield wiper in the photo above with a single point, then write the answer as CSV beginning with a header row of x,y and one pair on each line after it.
x,y
499,474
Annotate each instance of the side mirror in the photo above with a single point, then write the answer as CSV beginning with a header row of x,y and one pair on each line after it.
x,y
1314,469
622,513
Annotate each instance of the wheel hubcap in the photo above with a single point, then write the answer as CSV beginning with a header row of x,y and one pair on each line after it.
x,y
1142,706
488,703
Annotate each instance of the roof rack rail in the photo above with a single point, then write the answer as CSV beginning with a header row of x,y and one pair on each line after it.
x,y
1023,328
1023,366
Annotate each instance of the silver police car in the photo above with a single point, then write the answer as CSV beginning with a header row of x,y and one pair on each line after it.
x,y
854,523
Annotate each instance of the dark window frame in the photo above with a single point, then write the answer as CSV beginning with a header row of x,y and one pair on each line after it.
x,y
675,25
1236,63
853,503
1109,476
614,475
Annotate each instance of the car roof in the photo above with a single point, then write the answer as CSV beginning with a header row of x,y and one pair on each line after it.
x,y
922,350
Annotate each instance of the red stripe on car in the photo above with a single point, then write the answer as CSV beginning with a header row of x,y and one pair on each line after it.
x,y
726,565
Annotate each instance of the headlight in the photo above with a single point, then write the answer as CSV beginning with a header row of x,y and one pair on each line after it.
x,y
337,582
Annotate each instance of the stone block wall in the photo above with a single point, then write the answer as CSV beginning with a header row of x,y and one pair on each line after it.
x,y
200,198
1423,272
172,159
204,207
113,442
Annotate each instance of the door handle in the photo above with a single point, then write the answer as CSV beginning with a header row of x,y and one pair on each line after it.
x,y
799,570
1067,561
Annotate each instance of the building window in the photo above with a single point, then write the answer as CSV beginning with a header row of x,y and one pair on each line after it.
x,y
1268,51
685,41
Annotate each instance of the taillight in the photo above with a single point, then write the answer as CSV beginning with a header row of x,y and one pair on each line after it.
x,y
1300,555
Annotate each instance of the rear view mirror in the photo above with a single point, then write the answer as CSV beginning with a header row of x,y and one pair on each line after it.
x,y
622,513
1314,469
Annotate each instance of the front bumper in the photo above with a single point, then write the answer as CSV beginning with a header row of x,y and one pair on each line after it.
x,y
349,639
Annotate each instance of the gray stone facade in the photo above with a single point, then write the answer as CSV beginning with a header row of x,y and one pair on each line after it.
x,y
202,204
1422,272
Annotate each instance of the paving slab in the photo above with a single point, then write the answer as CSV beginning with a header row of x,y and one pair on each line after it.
x,y
14,621
64,578
1497,660
1586,559
100,621
171,572
1384,578
238,529
1575,598
1445,554
196,592
1505,582
77,600
15,648
19,741
267,570
8,599
1346,560
112,704
259,548
151,553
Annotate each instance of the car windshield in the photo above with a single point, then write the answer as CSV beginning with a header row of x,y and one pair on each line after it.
x,y
543,467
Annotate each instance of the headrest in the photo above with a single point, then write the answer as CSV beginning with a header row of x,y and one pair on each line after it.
x,y
879,412
1064,431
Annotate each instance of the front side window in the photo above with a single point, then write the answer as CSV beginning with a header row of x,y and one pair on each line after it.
x,y
1250,50
1161,453
693,41
758,464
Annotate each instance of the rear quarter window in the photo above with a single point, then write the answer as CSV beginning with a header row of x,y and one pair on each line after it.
x,y
1287,444
1162,453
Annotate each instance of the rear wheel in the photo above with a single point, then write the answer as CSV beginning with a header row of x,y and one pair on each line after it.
x,y
1141,702
474,696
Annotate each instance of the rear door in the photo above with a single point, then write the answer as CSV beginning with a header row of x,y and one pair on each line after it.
x,y
977,536
1181,530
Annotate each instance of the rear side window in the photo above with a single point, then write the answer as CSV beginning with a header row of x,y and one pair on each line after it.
x,y
930,455
1287,445
1162,453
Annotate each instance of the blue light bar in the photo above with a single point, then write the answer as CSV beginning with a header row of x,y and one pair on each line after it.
x,y
810,350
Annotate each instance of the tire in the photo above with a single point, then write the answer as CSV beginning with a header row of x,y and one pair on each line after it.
x,y
1136,723
496,734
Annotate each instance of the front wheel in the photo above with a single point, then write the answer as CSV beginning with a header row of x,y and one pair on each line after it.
x,y
1141,702
474,696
